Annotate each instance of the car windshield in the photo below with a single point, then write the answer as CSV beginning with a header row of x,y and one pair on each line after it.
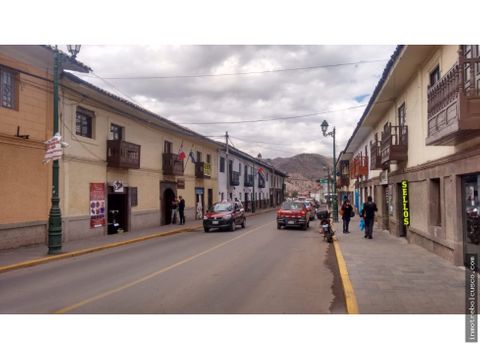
x,y
219,207
292,206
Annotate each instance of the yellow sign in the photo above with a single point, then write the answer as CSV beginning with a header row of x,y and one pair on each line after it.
x,y
207,169
405,208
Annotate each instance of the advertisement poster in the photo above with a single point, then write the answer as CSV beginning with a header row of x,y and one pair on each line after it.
x,y
97,205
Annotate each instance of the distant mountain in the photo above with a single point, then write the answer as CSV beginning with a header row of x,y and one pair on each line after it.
x,y
303,170
311,166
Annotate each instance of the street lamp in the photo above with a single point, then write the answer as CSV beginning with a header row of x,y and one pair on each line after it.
x,y
55,216
324,127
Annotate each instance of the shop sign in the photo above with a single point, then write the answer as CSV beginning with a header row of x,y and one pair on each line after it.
x,y
180,183
405,205
117,186
97,205
199,190
207,169
384,177
54,149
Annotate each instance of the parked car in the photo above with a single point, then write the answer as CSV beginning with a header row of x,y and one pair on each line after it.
x,y
293,213
224,215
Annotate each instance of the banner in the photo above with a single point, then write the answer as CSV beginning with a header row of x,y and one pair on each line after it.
x,y
97,205
207,169
54,149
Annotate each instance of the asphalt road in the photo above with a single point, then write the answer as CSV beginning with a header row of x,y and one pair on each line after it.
x,y
255,270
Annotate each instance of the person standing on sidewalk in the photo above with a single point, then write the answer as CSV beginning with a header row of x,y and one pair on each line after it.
x,y
368,213
347,212
181,210
174,207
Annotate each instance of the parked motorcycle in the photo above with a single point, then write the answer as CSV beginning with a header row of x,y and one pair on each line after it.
x,y
326,225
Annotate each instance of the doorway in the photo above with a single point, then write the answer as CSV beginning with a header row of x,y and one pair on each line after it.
x,y
471,216
118,211
167,199
199,202
402,229
210,198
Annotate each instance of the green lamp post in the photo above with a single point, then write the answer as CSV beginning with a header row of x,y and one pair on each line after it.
x,y
55,216
324,127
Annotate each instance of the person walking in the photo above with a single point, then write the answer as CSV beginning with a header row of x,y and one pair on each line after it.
x,y
347,212
368,213
174,207
181,210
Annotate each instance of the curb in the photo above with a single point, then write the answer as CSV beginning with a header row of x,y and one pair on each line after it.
x,y
349,293
47,259
66,255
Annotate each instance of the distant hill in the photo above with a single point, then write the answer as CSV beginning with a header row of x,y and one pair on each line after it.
x,y
303,170
309,165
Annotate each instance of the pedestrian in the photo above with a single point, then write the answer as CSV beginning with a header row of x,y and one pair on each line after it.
x,y
181,210
173,207
368,213
347,213
199,210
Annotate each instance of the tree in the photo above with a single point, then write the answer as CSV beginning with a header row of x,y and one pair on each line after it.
x,y
294,193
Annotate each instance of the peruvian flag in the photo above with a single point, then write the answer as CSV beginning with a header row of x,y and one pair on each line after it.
x,y
181,153
261,171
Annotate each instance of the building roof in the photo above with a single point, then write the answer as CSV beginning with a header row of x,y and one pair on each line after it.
x,y
68,62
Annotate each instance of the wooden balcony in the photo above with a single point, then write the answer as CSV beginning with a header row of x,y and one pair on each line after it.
x,y
453,104
248,180
234,178
375,155
344,178
394,145
122,154
203,170
171,165
360,166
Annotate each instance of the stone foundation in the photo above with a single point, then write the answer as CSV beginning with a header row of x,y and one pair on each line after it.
x,y
23,234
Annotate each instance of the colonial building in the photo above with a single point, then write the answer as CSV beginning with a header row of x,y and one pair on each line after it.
x,y
416,149
251,180
125,164
26,122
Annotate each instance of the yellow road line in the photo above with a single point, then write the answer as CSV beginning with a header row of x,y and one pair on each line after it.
x,y
156,273
350,298
48,259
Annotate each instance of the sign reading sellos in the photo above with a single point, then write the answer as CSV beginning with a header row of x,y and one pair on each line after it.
x,y
405,204
54,148
97,205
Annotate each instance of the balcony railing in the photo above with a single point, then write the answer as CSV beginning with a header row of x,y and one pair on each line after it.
x,y
172,165
375,155
203,170
234,178
248,180
122,154
394,143
453,104
360,166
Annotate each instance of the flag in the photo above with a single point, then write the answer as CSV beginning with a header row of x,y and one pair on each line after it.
x,y
191,156
261,171
181,153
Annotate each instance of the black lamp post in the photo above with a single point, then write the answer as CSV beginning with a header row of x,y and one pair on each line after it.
x,y
324,127
55,216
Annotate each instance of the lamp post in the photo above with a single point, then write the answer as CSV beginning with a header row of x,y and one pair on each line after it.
x,y
324,127
55,216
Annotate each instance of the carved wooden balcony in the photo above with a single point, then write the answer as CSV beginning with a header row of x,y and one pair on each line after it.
x,y
234,178
203,170
453,104
394,145
375,155
171,165
248,180
360,166
122,154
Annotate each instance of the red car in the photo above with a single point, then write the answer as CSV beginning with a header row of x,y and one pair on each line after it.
x,y
293,213
224,215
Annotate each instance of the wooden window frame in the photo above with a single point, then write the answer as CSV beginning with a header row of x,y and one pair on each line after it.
x,y
121,131
434,75
15,93
90,117
222,164
167,147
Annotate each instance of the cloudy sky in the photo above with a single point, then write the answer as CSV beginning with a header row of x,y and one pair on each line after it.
x,y
165,80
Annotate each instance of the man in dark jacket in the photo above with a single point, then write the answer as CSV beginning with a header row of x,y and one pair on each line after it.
x,y
347,212
181,210
368,214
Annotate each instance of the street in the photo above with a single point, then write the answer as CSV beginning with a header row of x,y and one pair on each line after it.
x,y
254,270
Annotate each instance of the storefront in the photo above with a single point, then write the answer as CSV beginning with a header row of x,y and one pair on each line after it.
x,y
471,214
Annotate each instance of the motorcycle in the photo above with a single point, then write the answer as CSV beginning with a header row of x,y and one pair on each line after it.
x,y
326,225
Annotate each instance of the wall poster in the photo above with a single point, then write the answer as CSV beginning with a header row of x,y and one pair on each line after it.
x,y
97,205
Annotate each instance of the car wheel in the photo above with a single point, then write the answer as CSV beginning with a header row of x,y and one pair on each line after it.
x,y
244,223
206,229
304,227
308,224
279,226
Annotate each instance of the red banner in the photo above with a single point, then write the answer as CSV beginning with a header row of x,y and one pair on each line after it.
x,y
97,205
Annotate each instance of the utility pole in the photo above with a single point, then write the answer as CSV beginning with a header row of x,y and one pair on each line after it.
x,y
227,165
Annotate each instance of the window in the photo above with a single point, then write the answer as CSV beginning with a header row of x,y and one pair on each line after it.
x,y
435,75
167,147
222,164
199,156
240,169
435,203
84,123
401,115
8,89
116,131
209,158
246,170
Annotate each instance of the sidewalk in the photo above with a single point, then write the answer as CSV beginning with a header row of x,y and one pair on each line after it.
x,y
30,254
390,276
